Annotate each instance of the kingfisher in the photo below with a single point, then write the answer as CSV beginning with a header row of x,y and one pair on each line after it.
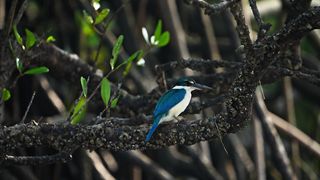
x,y
173,102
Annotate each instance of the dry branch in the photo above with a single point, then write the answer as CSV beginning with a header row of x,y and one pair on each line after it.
x,y
296,134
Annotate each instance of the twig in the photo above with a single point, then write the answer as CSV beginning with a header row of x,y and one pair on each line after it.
x,y
173,21
210,37
9,23
295,133
210,9
35,160
274,140
290,109
261,90
198,64
98,165
136,157
28,108
243,155
255,12
243,31
21,11
164,81
259,150
220,138
109,160
207,171
309,171
298,27
263,27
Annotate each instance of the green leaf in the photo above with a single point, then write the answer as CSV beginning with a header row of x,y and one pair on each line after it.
x,y
133,56
17,35
158,30
37,70
79,111
164,39
84,86
129,63
6,95
127,69
114,102
50,39
87,17
116,50
19,65
105,91
137,55
31,39
102,16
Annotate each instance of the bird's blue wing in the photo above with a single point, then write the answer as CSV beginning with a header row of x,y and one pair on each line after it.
x,y
168,100
165,103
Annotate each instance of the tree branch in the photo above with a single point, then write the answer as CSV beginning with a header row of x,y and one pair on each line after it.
x,y
274,140
108,135
35,160
210,9
296,134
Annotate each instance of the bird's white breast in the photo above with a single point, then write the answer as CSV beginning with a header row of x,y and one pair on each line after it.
x,y
176,110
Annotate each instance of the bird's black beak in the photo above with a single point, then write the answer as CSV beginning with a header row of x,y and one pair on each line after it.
x,y
201,87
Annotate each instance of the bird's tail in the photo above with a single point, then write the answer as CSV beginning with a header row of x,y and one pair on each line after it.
x,y
153,128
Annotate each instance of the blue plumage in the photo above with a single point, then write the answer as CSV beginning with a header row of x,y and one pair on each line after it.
x,y
168,100
153,128
174,102
165,103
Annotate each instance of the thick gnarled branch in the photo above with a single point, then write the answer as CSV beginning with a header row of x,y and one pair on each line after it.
x,y
108,135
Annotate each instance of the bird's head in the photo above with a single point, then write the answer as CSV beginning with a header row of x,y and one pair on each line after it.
x,y
190,84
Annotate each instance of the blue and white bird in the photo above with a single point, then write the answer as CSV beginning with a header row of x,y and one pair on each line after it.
x,y
174,102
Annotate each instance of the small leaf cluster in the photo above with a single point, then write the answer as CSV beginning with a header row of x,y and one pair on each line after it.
x,y
101,14
109,98
159,38
30,42
30,38
31,71
79,109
